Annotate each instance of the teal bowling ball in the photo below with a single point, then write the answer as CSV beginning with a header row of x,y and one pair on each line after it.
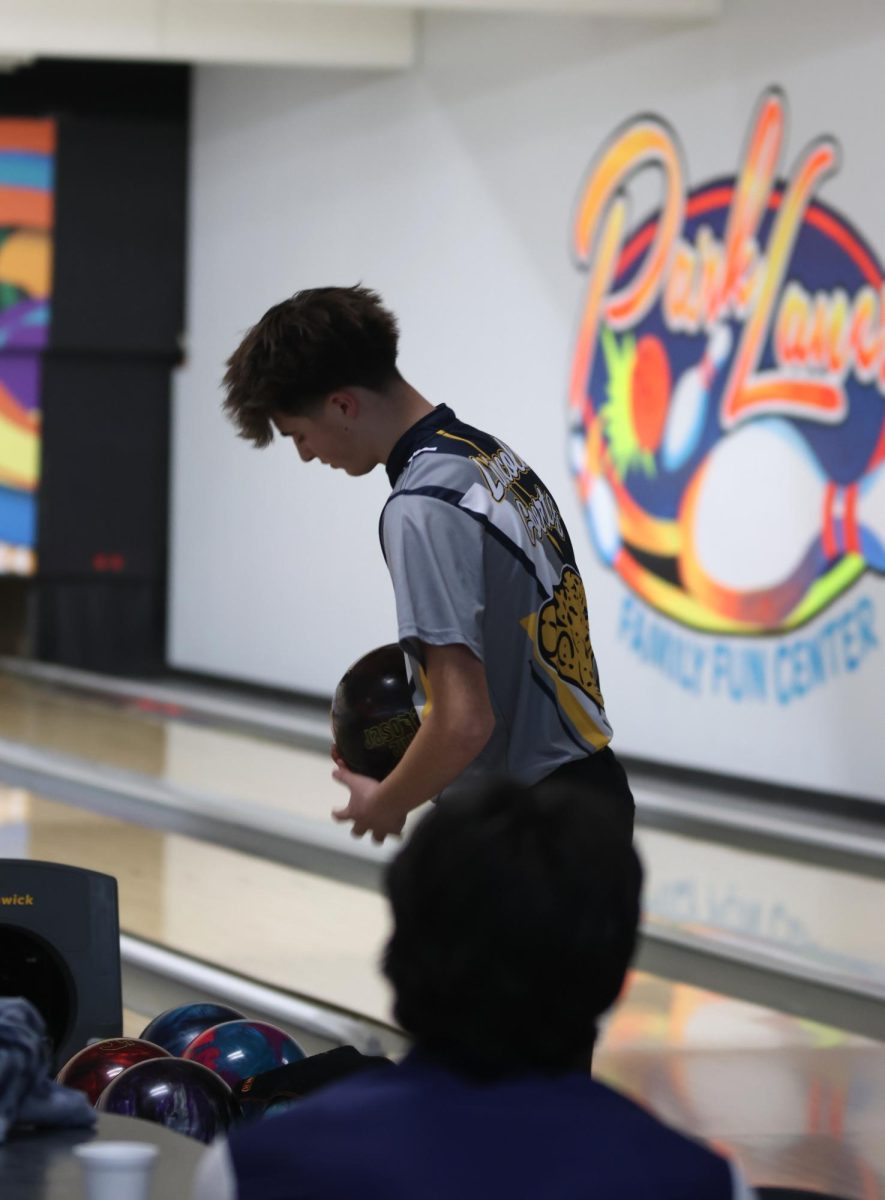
x,y
237,1050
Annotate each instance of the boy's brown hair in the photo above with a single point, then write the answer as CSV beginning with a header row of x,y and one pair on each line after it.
x,y
301,350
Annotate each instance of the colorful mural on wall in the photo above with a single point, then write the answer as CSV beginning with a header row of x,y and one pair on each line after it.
x,y
727,398
27,163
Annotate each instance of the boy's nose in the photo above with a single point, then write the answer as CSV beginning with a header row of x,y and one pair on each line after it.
x,y
304,452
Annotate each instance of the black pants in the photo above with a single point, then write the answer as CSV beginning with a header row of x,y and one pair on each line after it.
x,y
602,774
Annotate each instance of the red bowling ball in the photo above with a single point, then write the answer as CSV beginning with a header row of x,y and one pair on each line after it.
x,y
93,1068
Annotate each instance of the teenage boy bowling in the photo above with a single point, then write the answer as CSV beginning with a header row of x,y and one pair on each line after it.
x,y
491,608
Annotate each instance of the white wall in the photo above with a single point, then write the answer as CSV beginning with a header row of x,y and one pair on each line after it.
x,y
450,189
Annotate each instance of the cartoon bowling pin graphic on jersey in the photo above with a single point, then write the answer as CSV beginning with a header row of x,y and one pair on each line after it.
x,y
690,401
760,521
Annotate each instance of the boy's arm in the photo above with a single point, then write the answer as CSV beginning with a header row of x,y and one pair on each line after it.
x,y
455,727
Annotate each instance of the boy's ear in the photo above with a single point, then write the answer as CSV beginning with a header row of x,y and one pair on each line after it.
x,y
345,402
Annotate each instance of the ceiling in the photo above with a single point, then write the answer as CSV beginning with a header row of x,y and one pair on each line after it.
x,y
323,33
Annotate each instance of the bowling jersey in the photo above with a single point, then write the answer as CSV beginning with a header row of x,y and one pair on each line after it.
x,y
479,555
422,1130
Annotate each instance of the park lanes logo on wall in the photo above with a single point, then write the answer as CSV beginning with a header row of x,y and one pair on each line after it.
x,y
726,411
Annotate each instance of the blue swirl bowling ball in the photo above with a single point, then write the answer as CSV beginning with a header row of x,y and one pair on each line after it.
x,y
236,1050
183,1096
176,1028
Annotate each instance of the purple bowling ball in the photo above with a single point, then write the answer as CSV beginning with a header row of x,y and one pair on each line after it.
x,y
176,1028
237,1050
181,1095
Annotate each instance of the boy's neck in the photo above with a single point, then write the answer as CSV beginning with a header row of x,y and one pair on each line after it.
x,y
403,407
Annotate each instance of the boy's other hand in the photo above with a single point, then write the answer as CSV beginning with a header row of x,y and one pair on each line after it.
x,y
367,815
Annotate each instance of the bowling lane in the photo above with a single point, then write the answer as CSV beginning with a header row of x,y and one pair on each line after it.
x,y
797,1103
268,795
799,922
290,929
254,772
54,720
823,920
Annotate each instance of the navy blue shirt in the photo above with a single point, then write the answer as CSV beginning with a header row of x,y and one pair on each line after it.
x,y
421,1132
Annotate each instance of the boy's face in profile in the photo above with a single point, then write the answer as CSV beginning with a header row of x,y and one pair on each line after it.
x,y
328,434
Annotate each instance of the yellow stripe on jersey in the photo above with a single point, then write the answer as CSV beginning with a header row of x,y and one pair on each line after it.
x,y
428,694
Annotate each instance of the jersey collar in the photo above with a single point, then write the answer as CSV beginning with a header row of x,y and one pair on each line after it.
x,y
415,436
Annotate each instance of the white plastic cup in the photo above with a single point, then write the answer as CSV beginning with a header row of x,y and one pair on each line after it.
x,y
117,1170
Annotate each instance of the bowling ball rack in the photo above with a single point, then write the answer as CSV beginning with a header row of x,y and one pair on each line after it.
x,y
156,979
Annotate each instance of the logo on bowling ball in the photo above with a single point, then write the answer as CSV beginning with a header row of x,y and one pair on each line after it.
x,y
726,411
393,735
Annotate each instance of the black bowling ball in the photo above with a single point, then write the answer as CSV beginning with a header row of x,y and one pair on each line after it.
x,y
373,718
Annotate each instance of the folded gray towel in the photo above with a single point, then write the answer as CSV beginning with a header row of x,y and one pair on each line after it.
x,y
27,1094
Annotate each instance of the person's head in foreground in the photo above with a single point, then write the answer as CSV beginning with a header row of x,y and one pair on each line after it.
x,y
515,918
320,368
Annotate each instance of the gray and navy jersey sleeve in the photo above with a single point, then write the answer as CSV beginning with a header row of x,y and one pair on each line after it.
x,y
435,557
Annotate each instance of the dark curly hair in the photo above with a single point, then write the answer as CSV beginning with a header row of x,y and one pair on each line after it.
x,y
317,341
516,912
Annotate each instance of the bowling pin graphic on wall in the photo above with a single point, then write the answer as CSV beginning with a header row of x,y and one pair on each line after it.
x,y
726,410
690,401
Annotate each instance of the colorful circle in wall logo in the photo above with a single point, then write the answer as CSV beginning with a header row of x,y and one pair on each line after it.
x,y
727,398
